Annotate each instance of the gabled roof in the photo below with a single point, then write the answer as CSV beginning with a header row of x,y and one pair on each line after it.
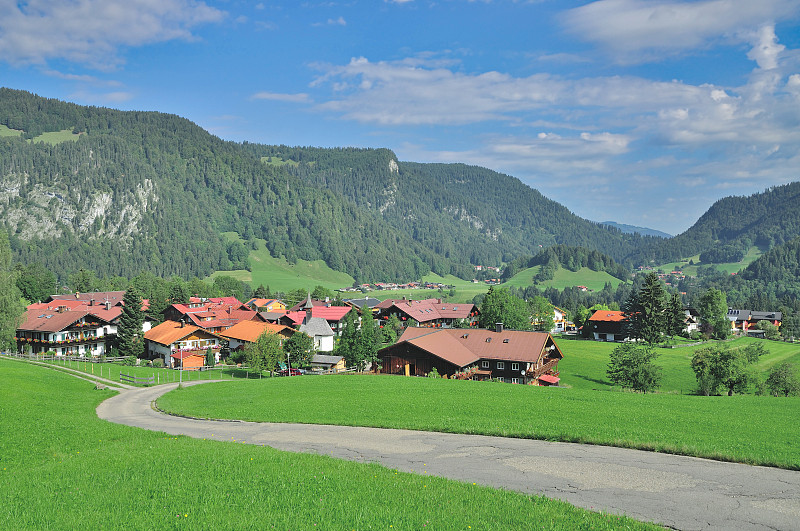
x,y
433,309
330,313
169,332
114,297
47,321
326,359
248,331
462,346
369,302
316,327
220,318
613,316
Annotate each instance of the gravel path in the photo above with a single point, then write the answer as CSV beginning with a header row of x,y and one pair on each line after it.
x,y
674,491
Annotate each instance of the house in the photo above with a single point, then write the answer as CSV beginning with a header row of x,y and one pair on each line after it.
x,y
75,324
513,356
430,313
324,362
333,315
606,325
266,305
214,315
244,332
320,331
744,320
175,342
360,304
66,332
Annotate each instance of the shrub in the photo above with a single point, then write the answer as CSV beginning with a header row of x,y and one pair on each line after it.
x,y
434,373
129,361
158,363
632,367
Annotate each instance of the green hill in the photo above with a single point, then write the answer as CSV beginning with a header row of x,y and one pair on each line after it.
x,y
563,278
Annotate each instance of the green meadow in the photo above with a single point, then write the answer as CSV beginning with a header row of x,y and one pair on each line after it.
x,y
5,131
563,278
63,468
730,267
746,428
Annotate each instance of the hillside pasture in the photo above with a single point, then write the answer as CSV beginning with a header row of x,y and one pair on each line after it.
x,y
56,137
75,471
5,131
730,267
564,278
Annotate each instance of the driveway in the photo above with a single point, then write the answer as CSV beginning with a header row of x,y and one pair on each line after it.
x,y
674,491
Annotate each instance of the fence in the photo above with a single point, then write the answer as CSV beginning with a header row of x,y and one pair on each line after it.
x,y
134,380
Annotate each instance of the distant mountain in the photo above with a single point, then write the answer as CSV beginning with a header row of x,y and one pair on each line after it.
x,y
730,227
633,229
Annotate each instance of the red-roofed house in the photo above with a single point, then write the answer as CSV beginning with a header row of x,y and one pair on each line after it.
x,y
513,356
606,325
334,315
213,315
245,332
65,332
266,305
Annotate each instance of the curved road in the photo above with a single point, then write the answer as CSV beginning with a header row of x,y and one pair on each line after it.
x,y
678,492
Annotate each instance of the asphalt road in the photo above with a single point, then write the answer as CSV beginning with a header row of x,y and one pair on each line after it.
x,y
674,491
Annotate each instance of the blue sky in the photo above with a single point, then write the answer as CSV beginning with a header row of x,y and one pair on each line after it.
x,y
638,111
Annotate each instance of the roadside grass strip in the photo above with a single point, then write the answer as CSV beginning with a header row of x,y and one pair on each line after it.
x,y
758,430
63,468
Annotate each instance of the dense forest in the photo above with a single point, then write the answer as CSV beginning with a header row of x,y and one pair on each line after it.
x,y
571,258
467,214
730,227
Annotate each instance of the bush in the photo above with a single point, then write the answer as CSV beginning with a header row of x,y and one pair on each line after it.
x,y
434,373
129,361
632,367
158,363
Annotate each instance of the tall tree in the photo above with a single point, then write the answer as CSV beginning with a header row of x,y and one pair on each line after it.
x,y
265,353
262,292
300,348
713,310
130,336
501,306
632,367
368,341
675,316
36,282
644,311
11,307
347,345
541,314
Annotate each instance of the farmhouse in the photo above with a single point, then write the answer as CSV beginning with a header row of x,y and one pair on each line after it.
x,y
606,325
266,305
175,342
744,320
244,332
430,313
325,362
507,355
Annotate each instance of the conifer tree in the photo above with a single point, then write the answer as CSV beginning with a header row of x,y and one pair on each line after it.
x,y
644,311
130,337
11,308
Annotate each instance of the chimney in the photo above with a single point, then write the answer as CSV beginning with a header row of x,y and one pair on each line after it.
x,y
498,327
91,302
183,323
108,305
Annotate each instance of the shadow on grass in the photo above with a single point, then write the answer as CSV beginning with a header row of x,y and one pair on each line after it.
x,y
594,380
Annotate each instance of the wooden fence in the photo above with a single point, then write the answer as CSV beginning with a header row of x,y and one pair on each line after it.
x,y
134,380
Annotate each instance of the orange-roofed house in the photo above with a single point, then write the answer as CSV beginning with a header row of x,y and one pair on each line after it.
x,y
606,325
175,342
244,332
513,356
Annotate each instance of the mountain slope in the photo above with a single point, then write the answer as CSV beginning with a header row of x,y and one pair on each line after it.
x,y
731,226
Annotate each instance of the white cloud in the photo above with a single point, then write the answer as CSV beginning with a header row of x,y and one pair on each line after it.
x,y
638,30
766,49
92,31
290,98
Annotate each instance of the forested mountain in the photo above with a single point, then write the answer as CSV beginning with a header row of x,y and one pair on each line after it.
x,y
467,214
148,191
631,229
143,190
571,258
731,226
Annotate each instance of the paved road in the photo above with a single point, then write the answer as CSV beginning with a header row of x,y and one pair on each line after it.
x,y
679,492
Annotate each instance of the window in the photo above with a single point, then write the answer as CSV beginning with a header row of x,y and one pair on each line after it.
x,y
515,366
501,365
514,380
484,364
501,379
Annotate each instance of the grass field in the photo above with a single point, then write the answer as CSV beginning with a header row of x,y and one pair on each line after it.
x,y
594,280
75,471
748,429
731,267
5,131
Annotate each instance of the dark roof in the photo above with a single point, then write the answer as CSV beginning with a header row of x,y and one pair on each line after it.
x,y
369,302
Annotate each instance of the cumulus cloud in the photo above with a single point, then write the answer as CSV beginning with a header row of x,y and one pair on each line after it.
x,y
92,31
639,30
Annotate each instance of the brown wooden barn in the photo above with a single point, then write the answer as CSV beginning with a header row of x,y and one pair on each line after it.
x,y
513,356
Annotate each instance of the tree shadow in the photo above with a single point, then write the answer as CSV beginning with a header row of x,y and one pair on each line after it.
x,y
595,380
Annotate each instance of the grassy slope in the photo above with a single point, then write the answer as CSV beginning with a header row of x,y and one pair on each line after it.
x,y
594,280
53,137
752,255
76,471
5,131
750,429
